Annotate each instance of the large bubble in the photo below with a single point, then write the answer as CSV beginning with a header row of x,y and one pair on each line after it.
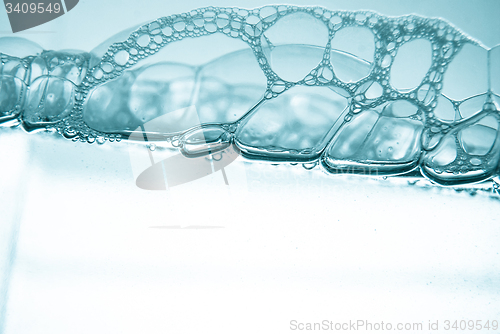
x,y
357,92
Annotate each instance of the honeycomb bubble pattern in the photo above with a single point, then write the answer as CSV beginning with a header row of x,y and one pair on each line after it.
x,y
413,94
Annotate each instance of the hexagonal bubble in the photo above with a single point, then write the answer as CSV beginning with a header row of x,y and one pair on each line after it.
x,y
385,145
12,91
14,67
400,108
470,172
38,68
295,125
446,167
393,140
294,62
431,137
351,136
349,68
228,87
253,26
295,29
412,61
445,109
478,139
472,106
444,154
426,94
13,87
71,65
355,41
268,14
467,74
298,28
50,100
375,91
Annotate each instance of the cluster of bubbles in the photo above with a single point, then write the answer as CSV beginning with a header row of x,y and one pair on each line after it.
x,y
55,90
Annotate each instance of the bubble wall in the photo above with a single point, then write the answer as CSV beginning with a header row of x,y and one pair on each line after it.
x,y
353,91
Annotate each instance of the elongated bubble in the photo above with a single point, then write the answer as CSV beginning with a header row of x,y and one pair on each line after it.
x,y
357,92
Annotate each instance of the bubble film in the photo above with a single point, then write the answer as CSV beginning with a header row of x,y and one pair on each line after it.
x,y
355,92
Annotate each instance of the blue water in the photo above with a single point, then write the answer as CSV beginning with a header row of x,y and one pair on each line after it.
x,y
355,92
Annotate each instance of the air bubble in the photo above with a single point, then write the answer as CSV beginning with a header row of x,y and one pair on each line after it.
x,y
158,39
98,74
209,16
375,91
386,61
476,161
210,27
410,65
426,94
167,31
310,165
179,26
121,57
154,28
360,18
143,40
354,90
222,20
336,22
268,14
107,67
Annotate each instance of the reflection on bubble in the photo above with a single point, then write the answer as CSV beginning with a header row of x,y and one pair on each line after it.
x,y
352,91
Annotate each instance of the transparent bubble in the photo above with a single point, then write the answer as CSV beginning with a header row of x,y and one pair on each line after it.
x,y
351,91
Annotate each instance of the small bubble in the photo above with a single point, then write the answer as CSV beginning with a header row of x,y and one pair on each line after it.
x,y
154,28
179,26
107,67
143,40
167,31
121,57
309,165
98,74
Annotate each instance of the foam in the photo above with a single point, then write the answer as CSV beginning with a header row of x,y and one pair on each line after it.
x,y
353,91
